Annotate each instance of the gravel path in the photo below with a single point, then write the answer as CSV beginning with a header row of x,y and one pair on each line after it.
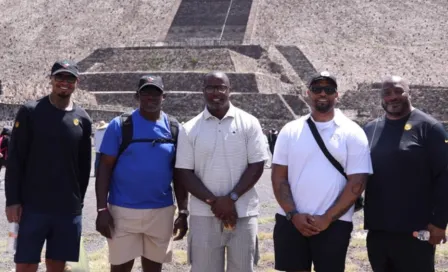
x,y
96,246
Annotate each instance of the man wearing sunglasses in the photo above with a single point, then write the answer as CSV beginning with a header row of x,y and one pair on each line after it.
x,y
48,173
133,186
314,223
220,158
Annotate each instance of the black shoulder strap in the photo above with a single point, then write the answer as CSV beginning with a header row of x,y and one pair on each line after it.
x,y
127,131
174,128
324,149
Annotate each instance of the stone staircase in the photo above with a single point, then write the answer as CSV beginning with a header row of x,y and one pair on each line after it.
x,y
210,20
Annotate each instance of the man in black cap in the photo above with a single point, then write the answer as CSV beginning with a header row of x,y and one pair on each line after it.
x,y
407,192
133,187
316,195
48,173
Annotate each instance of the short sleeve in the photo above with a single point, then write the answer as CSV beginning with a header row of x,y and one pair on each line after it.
x,y
280,155
358,152
185,151
112,138
256,144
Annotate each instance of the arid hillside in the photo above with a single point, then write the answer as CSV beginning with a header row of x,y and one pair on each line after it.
x,y
363,40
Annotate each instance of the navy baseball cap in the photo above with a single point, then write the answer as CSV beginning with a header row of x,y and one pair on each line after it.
x,y
67,66
323,76
150,80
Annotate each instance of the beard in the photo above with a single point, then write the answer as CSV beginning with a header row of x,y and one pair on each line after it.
x,y
64,96
396,109
323,107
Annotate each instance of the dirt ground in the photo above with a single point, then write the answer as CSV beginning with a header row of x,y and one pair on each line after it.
x,y
97,249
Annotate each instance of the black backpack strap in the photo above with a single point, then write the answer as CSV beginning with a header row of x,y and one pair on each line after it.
x,y
127,132
174,128
324,149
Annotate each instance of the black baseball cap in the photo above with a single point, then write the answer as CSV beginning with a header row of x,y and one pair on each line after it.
x,y
67,66
150,80
325,75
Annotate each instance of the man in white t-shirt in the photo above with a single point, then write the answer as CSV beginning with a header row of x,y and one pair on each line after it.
x,y
314,223
98,138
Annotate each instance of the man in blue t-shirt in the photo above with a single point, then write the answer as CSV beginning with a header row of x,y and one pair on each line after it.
x,y
133,186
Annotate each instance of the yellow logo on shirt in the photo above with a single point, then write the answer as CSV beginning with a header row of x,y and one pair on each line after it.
x,y
76,122
407,127
17,124
446,141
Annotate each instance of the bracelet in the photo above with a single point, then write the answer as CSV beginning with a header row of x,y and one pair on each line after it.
x,y
102,209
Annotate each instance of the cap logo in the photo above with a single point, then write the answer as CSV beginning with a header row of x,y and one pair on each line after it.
x,y
325,74
407,127
149,79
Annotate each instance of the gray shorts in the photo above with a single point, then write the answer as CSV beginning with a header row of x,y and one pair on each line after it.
x,y
208,242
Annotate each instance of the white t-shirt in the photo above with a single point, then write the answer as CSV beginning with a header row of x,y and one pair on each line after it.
x,y
315,183
98,138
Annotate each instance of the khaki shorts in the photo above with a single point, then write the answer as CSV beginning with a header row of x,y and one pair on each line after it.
x,y
141,232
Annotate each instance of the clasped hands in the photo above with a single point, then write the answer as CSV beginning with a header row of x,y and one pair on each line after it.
x,y
223,207
309,225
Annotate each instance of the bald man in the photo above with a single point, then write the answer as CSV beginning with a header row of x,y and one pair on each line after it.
x,y
407,192
220,157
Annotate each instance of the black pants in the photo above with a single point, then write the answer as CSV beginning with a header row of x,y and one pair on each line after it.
x,y
326,250
397,252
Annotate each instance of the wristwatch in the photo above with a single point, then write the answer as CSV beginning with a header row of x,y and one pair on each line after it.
x,y
290,214
234,196
186,212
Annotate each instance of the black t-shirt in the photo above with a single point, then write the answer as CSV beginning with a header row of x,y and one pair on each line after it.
x,y
407,190
49,158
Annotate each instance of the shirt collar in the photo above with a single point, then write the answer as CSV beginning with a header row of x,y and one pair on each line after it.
x,y
231,112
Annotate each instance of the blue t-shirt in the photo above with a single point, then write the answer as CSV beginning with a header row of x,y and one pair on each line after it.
x,y
143,173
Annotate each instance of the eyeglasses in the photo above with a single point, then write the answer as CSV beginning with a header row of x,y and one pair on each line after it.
x,y
329,90
212,89
66,78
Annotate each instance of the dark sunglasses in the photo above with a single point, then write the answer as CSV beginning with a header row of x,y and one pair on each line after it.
x,y
329,90
69,79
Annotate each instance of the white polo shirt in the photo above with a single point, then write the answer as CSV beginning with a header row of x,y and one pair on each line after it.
x,y
315,183
219,151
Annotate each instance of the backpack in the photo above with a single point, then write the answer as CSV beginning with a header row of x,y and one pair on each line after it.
x,y
127,137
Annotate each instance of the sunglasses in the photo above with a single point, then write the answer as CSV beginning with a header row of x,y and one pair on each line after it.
x,y
69,79
212,89
329,90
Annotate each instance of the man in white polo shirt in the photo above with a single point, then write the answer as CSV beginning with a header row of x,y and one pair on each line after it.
x,y
220,157
314,223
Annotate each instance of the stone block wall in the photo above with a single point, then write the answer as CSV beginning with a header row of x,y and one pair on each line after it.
x,y
119,82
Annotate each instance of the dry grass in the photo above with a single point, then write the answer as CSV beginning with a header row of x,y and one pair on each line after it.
x,y
265,236
265,220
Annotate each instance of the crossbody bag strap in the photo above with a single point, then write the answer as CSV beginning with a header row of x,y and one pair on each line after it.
x,y
324,149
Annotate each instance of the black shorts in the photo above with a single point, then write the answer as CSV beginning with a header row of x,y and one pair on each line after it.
x,y
61,232
397,252
326,250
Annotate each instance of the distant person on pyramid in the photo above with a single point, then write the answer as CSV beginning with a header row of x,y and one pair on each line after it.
x,y
133,187
97,139
4,143
220,157
316,195
408,191
48,173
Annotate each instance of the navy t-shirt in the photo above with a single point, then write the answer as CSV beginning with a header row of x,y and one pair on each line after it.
x,y
143,173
